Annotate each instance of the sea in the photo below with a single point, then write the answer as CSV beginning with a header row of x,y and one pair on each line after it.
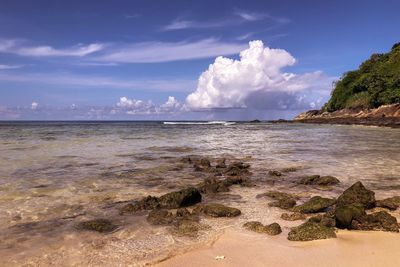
x,y
54,175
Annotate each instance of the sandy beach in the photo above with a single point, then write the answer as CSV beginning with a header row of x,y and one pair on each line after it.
x,y
251,249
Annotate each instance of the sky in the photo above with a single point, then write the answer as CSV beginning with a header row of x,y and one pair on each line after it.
x,y
182,60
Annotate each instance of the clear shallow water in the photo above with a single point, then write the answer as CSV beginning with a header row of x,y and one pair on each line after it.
x,y
53,175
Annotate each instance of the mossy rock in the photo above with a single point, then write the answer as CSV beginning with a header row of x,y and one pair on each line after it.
x,y
295,216
314,205
183,198
378,221
344,215
319,180
271,229
285,204
160,217
357,193
97,225
311,231
217,210
277,195
391,203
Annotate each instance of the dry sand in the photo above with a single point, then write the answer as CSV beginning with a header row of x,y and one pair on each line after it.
x,y
242,248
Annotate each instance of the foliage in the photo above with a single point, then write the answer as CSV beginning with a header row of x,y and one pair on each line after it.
x,y
375,83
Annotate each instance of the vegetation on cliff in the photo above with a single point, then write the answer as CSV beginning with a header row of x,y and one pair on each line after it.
x,y
375,83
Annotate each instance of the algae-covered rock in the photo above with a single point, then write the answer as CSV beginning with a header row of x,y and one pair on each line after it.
x,y
237,168
357,193
217,210
295,216
275,173
97,225
344,215
212,185
189,228
314,205
277,195
147,203
160,217
378,221
319,180
221,163
311,231
324,220
286,203
391,203
183,198
271,229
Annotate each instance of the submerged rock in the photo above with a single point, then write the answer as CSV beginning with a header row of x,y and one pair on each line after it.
x,y
286,203
189,228
275,173
212,185
391,203
217,210
271,229
344,215
378,221
314,205
319,180
277,195
160,217
357,193
237,168
221,163
182,198
311,231
97,225
295,216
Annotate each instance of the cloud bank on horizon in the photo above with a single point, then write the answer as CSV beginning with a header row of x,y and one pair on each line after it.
x,y
255,81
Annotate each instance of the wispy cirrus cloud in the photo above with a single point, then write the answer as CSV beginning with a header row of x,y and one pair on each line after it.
x,y
94,81
9,67
238,17
152,52
20,48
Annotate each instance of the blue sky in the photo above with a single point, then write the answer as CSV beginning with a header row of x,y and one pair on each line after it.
x,y
157,59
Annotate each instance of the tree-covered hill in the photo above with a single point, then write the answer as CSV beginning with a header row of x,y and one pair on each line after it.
x,y
375,83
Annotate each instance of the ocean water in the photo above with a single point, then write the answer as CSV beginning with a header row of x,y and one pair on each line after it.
x,y
55,174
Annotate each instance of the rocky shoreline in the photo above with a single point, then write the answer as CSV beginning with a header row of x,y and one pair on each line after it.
x,y
384,116
354,209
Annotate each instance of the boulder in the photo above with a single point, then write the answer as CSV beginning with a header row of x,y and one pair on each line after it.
x,y
344,215
311,231
319,180
314,205
271,229
217,210
391,203
97,225
378,221
295,216
183,198
357,193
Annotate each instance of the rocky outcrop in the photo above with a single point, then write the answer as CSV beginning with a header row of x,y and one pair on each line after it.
x,y
271,229
391,203
385,115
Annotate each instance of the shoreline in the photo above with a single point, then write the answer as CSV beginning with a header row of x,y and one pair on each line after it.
x,y
378,122
245,248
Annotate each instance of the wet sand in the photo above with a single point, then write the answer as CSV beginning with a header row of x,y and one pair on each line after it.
x,y
242,248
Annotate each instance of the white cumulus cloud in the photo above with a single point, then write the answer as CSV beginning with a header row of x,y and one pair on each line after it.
x,y
256,80
34,106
